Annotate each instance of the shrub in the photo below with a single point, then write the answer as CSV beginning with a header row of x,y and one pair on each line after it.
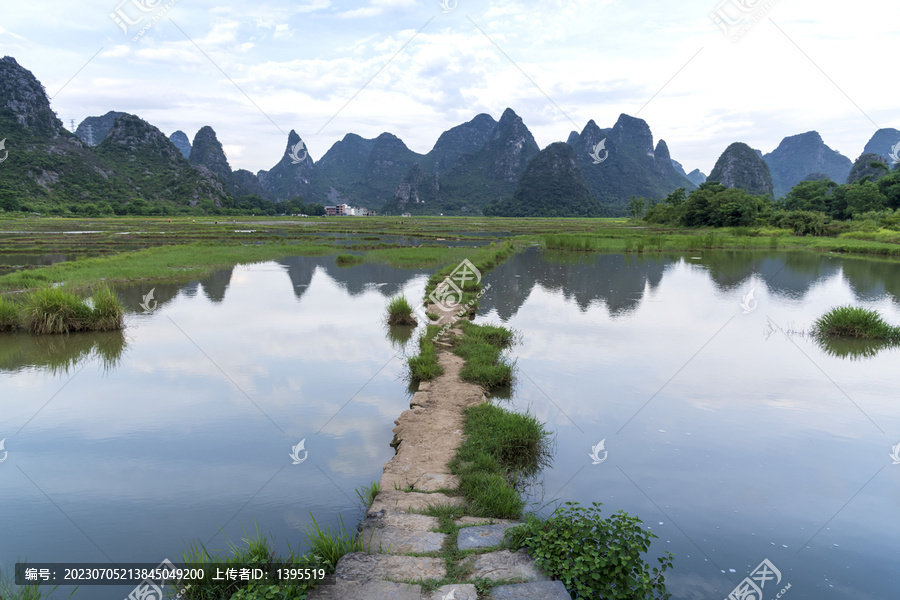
x,y
595,557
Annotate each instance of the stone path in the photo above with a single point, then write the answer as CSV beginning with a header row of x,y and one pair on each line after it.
x,y
397,540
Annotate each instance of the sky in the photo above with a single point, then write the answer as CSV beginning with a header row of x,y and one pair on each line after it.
x,y
702,73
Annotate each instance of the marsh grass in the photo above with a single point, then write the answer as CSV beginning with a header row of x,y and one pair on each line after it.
x,y
425,365
9,316
855,322
482,348
57,310
500,449
400,312
348,260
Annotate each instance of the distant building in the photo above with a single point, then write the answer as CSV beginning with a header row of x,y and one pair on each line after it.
x,y
344,210
406,215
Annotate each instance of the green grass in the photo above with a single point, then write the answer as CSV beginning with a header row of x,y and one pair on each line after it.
x,y
367,494
481,346
331,543
57,310
348,260
171,263
9,316
856,322
501,449
425,365
400,311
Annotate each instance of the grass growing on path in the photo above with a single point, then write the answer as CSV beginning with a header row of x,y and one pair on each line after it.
x,y
425,366
481,346
501,448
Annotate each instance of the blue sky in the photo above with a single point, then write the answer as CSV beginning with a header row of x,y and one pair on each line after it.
x,y
256,70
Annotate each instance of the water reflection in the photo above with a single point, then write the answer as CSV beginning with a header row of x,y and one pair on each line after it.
x,y
731,443
58,354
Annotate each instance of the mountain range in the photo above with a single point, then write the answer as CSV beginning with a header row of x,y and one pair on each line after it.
x,y
124,164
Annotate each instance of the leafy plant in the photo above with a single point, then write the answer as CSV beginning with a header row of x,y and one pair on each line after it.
x,y
595,557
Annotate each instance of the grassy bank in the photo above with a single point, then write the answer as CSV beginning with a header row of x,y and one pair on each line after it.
x,y
170,263
57,310
658,239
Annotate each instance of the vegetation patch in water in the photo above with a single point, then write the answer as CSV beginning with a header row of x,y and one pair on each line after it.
x,y
856,322
57,310
348,260
400,312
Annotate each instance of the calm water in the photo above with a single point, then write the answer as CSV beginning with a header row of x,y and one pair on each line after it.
x,y
733,442
127,447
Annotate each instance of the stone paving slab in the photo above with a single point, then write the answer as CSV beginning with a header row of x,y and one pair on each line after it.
x,y
538,590
392,540
453,592
430,482
396,500
504,564
372,590
483,536
359,566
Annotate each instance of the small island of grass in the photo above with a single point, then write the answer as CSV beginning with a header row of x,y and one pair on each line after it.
x,y
857,323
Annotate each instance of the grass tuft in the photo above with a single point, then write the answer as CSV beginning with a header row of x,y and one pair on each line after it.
x,y
56,310
400,312
348,260
855,322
